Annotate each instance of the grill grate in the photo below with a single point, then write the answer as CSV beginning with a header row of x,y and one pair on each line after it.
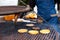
x,y
17,36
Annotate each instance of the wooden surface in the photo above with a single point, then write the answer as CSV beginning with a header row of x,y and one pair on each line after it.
x,y
13,9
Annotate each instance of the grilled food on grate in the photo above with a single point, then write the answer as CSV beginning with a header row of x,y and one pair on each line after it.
x,y
30,25
45,31
22,30
33,32
36,28
39,20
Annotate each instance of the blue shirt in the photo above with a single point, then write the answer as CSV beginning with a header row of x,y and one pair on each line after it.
x,y
45,8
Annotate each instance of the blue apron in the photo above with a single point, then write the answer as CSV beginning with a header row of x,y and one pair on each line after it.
x,y
45,9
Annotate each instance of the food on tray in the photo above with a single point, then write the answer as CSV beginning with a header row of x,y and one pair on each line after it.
x,y
31,15
18,20
22,30
29,24
36,28
45,31
27,16
33,32
9,17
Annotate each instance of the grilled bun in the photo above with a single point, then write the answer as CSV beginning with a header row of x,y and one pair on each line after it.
x,y
45,31
22,30
33,32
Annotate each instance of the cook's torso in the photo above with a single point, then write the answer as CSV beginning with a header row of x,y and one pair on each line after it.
x,y
45,8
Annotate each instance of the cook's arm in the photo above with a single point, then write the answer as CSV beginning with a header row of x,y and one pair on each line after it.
x,y
32,3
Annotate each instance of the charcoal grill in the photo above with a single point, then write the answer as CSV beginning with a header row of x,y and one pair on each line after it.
x,y
13,35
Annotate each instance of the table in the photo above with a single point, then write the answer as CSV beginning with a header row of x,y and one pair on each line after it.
x,y
6,10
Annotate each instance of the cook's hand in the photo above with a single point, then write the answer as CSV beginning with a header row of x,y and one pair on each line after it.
x,y
53,15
